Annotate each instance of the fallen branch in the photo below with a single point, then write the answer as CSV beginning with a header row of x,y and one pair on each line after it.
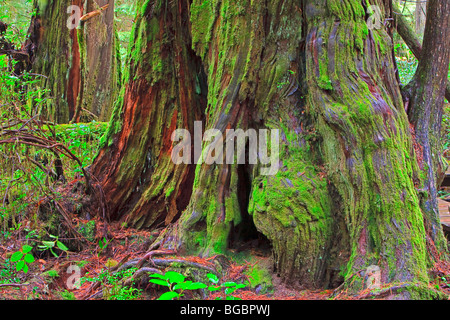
x,y
13,285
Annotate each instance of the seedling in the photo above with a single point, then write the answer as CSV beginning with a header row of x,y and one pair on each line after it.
x,y
177,284
22,257
50,245
228,287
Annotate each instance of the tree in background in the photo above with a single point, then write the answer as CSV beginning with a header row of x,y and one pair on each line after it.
x,y
420,16
80,65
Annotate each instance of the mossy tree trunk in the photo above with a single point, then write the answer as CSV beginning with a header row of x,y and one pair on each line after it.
x,y
80,66
344,197
164,92
425,100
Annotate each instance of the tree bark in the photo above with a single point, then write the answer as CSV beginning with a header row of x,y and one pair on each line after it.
x,y
426,99
344,196
164,91
420,16
80,64
406,31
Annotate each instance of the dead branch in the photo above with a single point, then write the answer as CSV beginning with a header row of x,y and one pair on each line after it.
x,y
92,14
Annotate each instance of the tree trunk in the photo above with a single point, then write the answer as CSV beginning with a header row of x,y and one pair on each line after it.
x,y
420,16
426,99
406,31
164,91
343,197
82,75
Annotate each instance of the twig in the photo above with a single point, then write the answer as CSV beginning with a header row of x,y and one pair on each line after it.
x,y
13,284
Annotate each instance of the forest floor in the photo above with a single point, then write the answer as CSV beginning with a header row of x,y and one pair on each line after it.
x,y
49,277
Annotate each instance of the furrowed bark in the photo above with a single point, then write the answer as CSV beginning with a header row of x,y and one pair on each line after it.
x,y
100,67
252,54
164,91
426,99
79,64
366,144
344,197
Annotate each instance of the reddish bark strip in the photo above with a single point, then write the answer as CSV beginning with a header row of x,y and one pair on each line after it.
x,y
74,81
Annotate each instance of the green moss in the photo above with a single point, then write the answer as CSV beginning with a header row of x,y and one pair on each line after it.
x,y
169,191
260,278
51,274
82,263
88,230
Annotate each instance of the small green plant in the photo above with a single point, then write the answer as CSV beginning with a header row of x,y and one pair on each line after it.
x,y
22,257
50,245
102,245
177,284
7,273
67,295
227,288
52,273
113,289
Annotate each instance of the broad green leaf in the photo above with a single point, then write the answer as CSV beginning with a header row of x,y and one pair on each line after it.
x,y
25,268
16,256
240,286
197,285
229,284
174,277
49,244
159,281
213,288
168,295
20,265
233,298
157,275
61,246
182,285
230,290
28,258
213,278
26,248
53,252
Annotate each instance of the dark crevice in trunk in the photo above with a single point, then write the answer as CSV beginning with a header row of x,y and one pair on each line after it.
x,y
245,235
339,250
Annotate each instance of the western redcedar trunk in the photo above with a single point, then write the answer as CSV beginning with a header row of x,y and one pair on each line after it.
x,y
165,91
344,197
82,75
425,100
